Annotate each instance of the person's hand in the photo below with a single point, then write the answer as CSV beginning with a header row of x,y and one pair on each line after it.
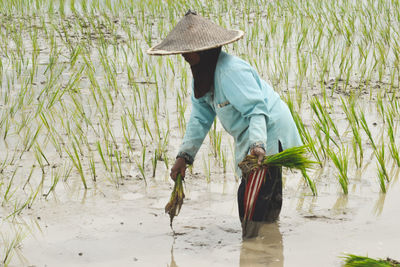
x,y
259,152
179,167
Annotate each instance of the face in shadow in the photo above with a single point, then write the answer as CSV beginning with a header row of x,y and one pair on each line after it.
x,y
264,250
193,58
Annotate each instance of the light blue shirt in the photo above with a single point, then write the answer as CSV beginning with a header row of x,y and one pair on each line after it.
x,y
248,109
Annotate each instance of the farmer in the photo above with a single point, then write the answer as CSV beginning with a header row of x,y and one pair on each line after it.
x,y
247,107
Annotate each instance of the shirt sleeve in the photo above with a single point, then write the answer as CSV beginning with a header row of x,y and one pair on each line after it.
x,y
244,92
199,124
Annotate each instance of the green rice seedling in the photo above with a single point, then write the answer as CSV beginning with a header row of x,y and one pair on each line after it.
x,y
8,193
155,120
154,162
35,193
353,121
35,54
366,129
181,107
392,147
100,150
394,151
67,172
352,260
72,7
162,145
30,142
108,153
325,122
11,245
348,68
118,157
223,159
393,80
146,127
53,57
381,64
318,129
4,163
49,85
26,138
19,206
6,127
126,132
166,161
76,161
380,156
305,134
380,106
80,138
369,78
26,119
92,165
39,155
382,178
309,182
141,165
56,143
332,125
379,204
174,205
215,139
357,159
61,8
207,168
12,160
64,35
111,134
340,160
83,6
55,177
395,103
70,87
29,176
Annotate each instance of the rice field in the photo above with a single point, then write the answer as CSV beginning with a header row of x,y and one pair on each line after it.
x,y
84,110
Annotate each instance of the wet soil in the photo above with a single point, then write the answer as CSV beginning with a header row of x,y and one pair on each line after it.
x,y
128,227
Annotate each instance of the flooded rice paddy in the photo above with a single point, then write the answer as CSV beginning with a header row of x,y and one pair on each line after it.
x,y
90,126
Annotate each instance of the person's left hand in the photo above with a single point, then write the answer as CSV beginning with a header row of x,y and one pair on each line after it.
x,y
259,152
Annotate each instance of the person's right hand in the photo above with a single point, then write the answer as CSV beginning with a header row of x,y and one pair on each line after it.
x,y
179,167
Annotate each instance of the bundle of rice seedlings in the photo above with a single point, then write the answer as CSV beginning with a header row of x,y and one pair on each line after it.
x,y
292,158
174,205
360,261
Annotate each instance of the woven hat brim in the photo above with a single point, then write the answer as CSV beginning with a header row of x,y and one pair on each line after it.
x,y
194,33
160,52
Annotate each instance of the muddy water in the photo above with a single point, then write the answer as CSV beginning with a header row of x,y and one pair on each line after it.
x,y
124,226
128,227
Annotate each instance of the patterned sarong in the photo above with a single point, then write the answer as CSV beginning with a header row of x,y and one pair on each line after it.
x,y
254,182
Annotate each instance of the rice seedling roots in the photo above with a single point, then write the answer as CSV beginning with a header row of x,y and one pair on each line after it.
x,y
175,203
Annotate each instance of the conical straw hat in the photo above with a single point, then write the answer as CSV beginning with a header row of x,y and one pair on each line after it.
x,y
194,33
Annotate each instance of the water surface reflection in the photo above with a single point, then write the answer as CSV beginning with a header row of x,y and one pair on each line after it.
x,y
265,250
